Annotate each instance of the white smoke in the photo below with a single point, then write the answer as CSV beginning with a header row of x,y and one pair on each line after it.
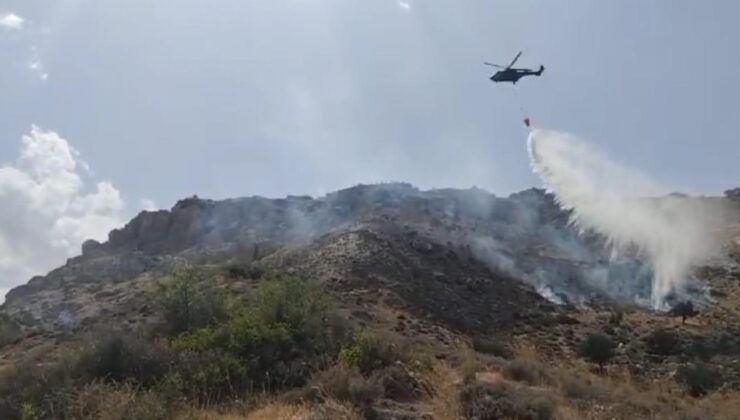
x,y
47,212
674,232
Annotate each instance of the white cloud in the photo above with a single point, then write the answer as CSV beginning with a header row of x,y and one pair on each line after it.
x,y
12,21
149,205
33,62
48,211
35,65
405,5
37,68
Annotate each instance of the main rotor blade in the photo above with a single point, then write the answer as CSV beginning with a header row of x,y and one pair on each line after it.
x,y
494,65
515,58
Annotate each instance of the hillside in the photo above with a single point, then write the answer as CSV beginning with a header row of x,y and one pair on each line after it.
x,y
490,297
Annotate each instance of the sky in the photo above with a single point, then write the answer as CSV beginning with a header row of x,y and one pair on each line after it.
x,y
107,108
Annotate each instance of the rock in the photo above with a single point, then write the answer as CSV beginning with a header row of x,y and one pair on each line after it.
x,y
92,249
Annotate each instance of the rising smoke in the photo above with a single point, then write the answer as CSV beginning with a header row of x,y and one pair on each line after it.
x,y
635,213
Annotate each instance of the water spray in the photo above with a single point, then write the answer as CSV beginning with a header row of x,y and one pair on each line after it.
x,y
675,233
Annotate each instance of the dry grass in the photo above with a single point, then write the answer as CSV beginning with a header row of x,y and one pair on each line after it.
x,y
528,371
277,411
577,391
329,409
585,395
205,414
525,350
444,403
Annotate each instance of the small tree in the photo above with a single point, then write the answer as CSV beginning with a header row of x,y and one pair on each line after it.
x,y
699,379
597,348
685,310
190,300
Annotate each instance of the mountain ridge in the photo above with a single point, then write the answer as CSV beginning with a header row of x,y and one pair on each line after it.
x,y
472,280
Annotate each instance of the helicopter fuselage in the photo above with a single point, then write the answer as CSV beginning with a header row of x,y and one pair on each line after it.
x,y
513,75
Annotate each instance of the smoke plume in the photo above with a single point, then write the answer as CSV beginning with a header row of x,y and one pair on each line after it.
x,y
674,232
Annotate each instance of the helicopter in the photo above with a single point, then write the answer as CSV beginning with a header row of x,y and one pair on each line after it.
x,y
508,74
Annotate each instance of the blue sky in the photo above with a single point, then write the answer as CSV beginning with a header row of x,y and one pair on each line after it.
x,y
227,98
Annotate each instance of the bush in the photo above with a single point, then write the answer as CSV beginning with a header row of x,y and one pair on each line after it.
x,y
529,372
663,342
367,353
9,330
119,358
491,346
32,387
190,300
244,271
399,384
206,376
285,333
469,367
698,379
288,300
597,348
115,402
500,400
343,383
30,412
579,388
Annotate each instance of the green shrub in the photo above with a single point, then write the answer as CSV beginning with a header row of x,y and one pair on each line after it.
x,y
207,376
699,378
30,412
597,348
289,301
190,300
52,389
286,332
31,387
529,372
663,342
487,345
500,400
120,358
9,330
367,352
